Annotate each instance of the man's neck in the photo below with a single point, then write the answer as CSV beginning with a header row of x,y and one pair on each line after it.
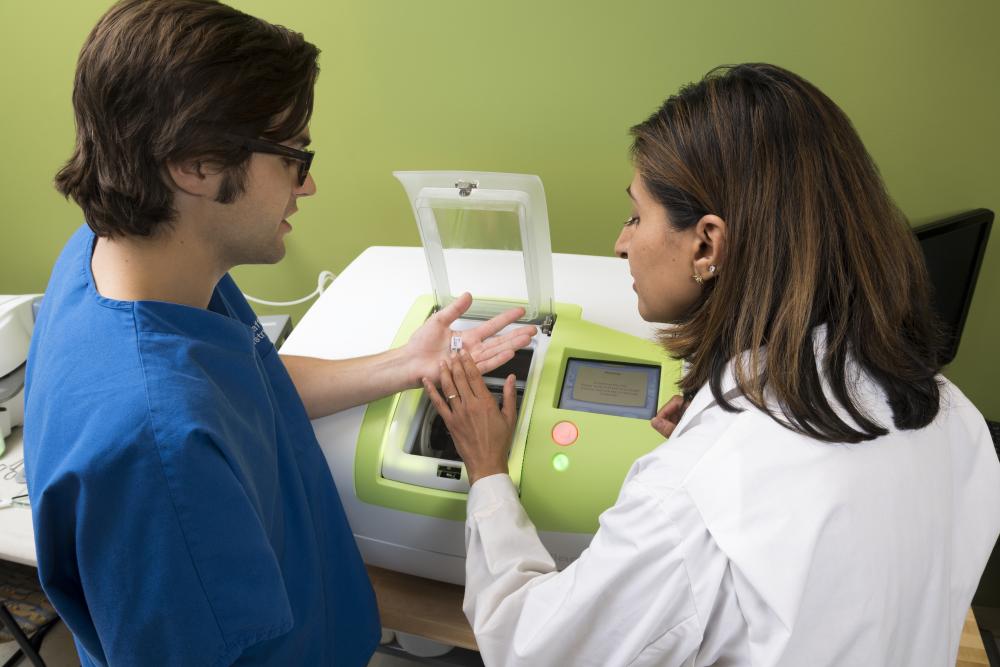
x,y
171,266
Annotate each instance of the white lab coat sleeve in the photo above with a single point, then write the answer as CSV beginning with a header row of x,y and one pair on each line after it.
x,y
628,599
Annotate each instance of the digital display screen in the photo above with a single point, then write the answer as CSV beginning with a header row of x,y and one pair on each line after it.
x,y
610,388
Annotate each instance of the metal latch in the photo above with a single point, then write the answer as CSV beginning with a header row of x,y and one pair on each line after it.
x,y
465,188
547,324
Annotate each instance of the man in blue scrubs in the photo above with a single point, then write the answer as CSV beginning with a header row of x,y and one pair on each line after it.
x,y
184,513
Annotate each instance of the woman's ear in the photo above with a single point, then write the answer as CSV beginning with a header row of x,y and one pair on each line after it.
x,y
710,255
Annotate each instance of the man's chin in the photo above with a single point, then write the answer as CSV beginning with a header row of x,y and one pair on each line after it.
x,y
271,255
277,256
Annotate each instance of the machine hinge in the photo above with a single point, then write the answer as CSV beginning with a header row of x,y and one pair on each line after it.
x,y
547,324
465,188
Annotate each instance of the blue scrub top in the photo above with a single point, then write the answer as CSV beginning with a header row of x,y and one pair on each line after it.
x,y
184,513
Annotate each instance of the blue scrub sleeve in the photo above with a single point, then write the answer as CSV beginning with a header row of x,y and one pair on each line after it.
x,y
175,566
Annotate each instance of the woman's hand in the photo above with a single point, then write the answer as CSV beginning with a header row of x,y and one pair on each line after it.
x,y
482,432
666,420
430,344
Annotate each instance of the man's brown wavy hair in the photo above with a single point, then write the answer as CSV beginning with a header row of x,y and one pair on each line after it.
x,y
813,238
163,81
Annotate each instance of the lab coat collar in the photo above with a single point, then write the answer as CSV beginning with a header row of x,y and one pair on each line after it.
x,y
704,399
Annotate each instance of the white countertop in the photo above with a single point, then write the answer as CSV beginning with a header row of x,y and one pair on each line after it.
x,y
17,540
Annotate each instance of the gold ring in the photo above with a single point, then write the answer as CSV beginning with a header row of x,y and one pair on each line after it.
x,y
448,398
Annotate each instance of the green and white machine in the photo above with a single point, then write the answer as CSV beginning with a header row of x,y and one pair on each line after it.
x,y
586,392
17,321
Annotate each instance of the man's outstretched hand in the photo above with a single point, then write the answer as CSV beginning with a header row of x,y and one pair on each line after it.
x,y
431,343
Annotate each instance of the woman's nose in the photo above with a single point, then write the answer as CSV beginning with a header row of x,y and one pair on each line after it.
x,y
621,245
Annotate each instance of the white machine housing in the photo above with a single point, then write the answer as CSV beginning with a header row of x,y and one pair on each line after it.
x,y
360,314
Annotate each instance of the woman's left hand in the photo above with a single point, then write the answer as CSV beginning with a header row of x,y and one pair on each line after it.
x,y
430,344
666,420
482,432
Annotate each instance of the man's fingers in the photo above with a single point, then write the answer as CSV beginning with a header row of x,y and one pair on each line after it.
x,y
455,309
516,339
501,349
487,364
490,327
523,334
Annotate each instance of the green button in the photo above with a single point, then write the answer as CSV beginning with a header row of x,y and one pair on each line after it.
x,y
560,462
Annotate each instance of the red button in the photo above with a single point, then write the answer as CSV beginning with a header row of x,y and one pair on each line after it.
x,y
565,433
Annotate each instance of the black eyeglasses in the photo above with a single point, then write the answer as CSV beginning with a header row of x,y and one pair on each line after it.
x,y
303,157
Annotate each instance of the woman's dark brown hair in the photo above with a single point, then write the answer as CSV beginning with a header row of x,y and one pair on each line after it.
x,y
812,239
165,81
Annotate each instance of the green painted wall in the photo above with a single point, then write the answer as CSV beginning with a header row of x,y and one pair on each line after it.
x,y
549,88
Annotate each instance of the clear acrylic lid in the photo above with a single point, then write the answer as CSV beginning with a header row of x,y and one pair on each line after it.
x,y
460,212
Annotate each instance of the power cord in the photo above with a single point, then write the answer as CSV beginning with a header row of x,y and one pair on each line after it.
x,y
322,282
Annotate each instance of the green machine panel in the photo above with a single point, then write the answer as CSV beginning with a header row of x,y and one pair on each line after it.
x,y
564,487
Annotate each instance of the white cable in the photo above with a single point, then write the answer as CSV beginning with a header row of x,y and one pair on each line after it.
x,y
322,282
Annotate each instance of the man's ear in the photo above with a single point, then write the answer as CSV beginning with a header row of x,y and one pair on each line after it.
x,y
195,177
710,255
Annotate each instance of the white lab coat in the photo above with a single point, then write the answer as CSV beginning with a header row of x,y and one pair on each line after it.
x,y
740,542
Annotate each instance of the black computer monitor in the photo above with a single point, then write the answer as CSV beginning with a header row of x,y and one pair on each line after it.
x,y
953,249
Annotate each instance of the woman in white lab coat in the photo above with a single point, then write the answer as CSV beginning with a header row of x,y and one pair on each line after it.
x,y
825,497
